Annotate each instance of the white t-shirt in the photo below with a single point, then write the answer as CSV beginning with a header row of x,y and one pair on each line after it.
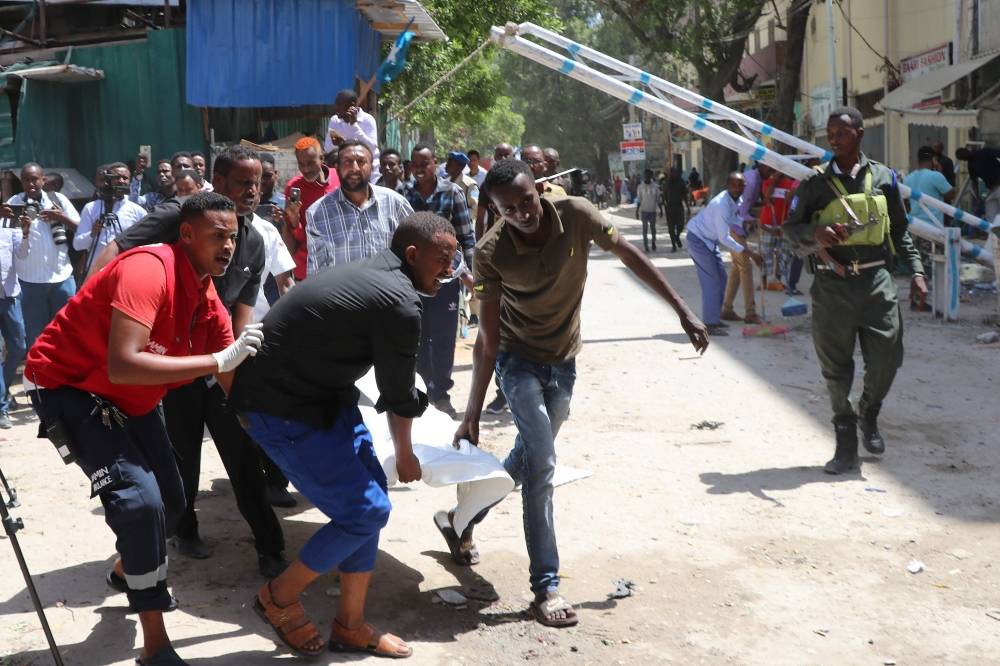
x,y
363,129
277,260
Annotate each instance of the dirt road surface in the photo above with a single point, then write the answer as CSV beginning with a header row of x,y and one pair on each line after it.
x,y
741,549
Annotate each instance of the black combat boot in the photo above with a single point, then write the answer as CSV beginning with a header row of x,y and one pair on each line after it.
x,y
870,436
845,458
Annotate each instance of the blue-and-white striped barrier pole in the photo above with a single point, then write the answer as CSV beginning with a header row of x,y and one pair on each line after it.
x,y
708,106
508,38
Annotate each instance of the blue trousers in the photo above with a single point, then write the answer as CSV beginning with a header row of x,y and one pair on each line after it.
x,y
438,329
648,229
42,300
711,277
132,470
539,397
336,469
12,330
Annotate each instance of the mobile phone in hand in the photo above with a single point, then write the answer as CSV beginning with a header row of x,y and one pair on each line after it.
x,y
294,195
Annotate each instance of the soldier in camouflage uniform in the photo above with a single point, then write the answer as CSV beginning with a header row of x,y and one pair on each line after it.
x,y
850,220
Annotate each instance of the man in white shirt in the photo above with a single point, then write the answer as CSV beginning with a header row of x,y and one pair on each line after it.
x,y
94,232
200,166
11,319
42,261
648,207
476,172
350,122
706,232
278,263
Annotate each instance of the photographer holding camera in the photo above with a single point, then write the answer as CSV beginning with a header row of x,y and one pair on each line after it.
x,y
43,267
109,214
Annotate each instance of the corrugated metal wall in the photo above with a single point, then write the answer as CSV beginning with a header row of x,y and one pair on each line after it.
x,y
276,52
7,156
139,101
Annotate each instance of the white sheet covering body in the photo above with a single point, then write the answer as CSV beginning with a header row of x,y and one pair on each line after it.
x,y
480,477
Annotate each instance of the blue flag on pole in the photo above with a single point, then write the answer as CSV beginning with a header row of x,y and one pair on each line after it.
x,y
396,60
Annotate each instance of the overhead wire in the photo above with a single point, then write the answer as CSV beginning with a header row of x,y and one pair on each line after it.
x,y
885,60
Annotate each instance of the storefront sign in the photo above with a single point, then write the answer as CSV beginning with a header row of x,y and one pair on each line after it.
x,y
928,61
633,151
631,131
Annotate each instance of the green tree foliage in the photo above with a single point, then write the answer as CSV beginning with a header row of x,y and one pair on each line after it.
x,y
483,130
472,91
710,36
584,124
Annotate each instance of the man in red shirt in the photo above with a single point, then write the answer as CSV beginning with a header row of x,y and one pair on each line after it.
x,y
776,193
150,321
315,181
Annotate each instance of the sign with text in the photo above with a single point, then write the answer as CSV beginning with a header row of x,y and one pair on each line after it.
x,y
928,61
632,131
633,151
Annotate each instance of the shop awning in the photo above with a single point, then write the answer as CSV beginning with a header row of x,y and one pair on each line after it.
x,y
953,118
390,17
56,73
912,94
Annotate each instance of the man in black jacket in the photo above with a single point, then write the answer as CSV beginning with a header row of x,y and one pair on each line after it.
x,y
298,401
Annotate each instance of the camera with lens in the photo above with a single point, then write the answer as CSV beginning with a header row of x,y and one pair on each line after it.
x,y
31,208
579,179
109,192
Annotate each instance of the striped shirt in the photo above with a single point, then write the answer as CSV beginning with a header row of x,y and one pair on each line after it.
x,y
448,200
44,262
338,232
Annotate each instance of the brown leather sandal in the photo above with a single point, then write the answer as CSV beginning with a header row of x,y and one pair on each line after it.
x,y
363,639
281,617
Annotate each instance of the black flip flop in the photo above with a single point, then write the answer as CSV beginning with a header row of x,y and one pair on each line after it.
x,y
464,558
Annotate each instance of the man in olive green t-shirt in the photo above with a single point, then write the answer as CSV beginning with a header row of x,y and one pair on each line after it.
x,y
529,274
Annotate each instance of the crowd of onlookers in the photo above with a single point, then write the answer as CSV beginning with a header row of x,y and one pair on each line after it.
x,y
343,204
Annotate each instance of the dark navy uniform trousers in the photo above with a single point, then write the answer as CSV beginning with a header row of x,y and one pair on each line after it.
x,y
131,468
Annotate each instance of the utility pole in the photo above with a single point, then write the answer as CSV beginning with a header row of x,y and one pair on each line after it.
x,y
885,83
832,53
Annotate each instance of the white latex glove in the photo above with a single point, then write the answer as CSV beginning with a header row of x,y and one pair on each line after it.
x,y
248,344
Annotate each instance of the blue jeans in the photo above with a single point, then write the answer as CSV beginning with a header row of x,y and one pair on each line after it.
x,y
711,277
42,300
12,330
539,397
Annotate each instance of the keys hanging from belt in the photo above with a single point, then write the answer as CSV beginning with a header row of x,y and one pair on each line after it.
x,y
108,413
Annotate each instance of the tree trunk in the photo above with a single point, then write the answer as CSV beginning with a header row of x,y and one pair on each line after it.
x,y
782,113
718,161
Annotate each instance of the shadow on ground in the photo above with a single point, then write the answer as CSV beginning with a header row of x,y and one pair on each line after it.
x,y
922,449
